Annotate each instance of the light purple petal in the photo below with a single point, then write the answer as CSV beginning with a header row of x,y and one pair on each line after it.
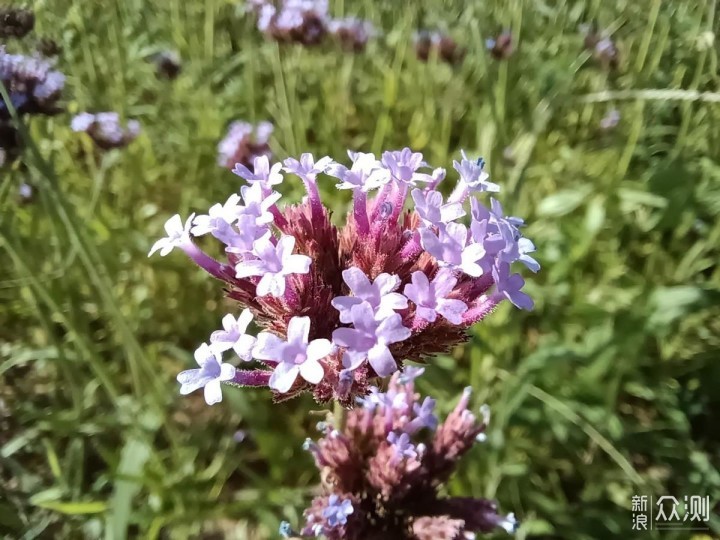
x,y
391,330
356,280
283,377
213,392
318,348
268,347
382,360
452,310
271,284
298,330
311,371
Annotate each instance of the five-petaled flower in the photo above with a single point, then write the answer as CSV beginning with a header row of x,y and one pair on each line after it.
x,y
337,511
273,263
177,235
370,339
429,206
262,172
450,247
402,446
365,174
211,373
378,294
430,297
233,336
296,356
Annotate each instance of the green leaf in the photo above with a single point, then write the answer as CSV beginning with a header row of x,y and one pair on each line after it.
x,y
74,508
563,202
132,461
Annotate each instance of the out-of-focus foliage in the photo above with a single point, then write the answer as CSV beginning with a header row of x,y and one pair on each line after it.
x,y
609,388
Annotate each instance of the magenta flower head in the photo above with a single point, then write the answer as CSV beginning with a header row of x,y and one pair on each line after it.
x,y
383,473
339,307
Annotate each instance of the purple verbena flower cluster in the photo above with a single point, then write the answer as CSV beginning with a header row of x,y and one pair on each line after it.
x,y
105,129
445,47
244,143
339,308
383,473
308,22
33,85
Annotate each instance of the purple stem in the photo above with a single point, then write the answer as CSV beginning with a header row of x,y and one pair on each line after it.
x,y
360,212
316,206
254,377
215,268
398,201
412,248
278,218
460,193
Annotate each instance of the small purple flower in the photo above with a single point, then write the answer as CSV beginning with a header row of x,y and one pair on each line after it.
x,y
509,286
211,373
241,238
274,262
392,399
285,529
337,511
526,246
370,339
424,416
430,297
410,373
262,173
403,166
429,206
450,248
218,215
378,294
306,168
496,213
258,203
366,173
233,336
177,235
296,356
473,179
401,445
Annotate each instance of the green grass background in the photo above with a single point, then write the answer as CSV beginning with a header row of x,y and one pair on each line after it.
x,y
610,388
